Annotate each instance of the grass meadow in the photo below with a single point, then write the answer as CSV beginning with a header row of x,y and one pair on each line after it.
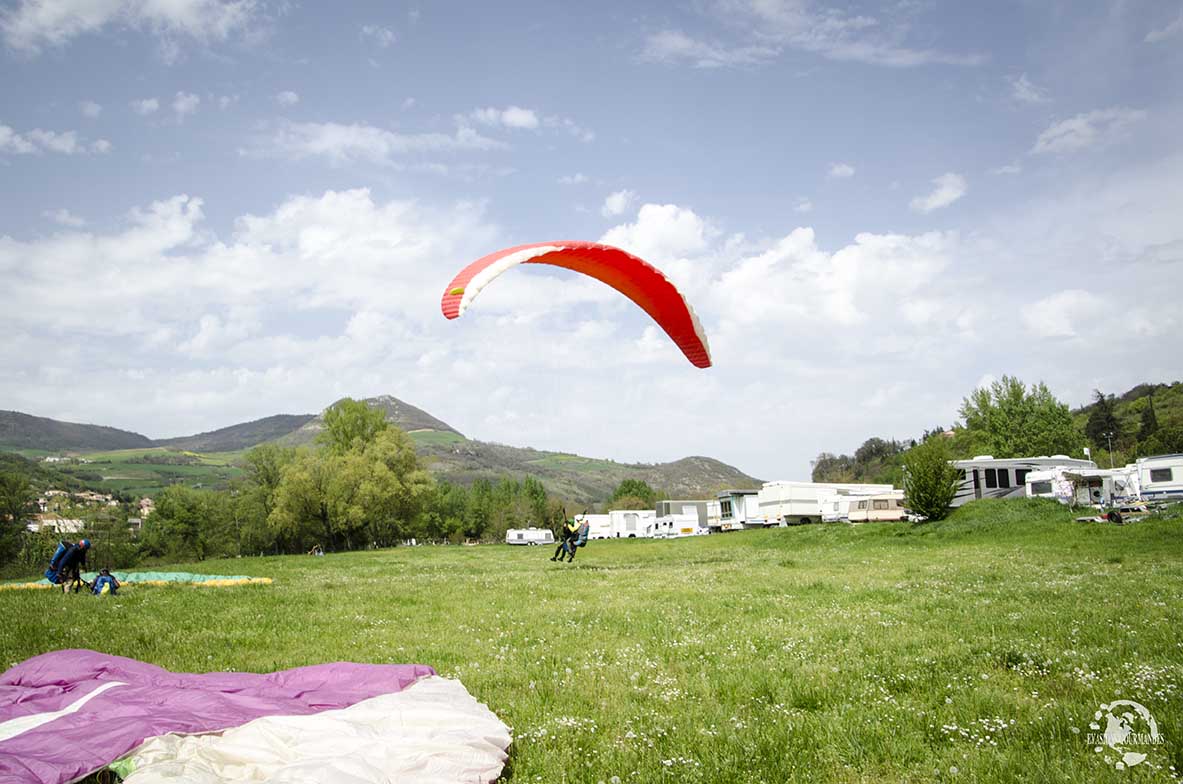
x,y
976,649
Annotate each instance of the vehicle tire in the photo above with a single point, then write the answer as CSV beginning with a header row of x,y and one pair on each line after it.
x,y
632,536
1114,517
805,521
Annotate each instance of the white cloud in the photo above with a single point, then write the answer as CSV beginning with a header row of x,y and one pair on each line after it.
x,y
948,188
841,171
38,140
382,36
578,178
1088,129
287,98
226,101
90,109
804,206
1024,90
662,233
145,106
566,124
185,104
341,143
765,28
64,217
1059,315
509,117
1009,168
617,202
674,46
35,24
1172,30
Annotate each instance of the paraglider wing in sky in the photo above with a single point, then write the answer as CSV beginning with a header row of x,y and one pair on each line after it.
x,y
633,277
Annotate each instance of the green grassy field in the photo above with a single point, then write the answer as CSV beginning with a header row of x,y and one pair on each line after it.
x,y
126,471
976,649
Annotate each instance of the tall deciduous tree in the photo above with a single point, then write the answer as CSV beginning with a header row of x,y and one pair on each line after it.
x,y
635,489
351,424
16,498
1012,421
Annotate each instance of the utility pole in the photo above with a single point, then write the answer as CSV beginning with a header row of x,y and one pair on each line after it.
x,y
1109,440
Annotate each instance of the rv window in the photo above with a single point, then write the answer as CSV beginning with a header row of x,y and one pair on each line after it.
x,y
899,504
862,504
1021,476
1160,475
1041,488
880,504
725,509
991,479
1004,477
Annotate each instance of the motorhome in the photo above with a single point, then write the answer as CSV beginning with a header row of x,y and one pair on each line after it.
x,y
987,477
632,523
790,503
599,526
881,507
1083,486
1160,476
835,506
529,536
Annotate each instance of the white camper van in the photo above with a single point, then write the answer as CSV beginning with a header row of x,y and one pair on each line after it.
x,y
987,477
800,502
529,536
1082,486
674,526
881,507
1160,476
632,523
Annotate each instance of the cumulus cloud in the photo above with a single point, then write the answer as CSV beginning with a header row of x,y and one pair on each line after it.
x,y
1058,315
38,141
287,98
340,143
841,171
32,25
90,109
1024,90
757,31
509,117
1088,129
382,36
947,188
185,104
145,106
64,217
617,202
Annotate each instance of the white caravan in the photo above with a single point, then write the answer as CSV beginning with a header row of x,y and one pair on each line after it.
x,y
987,477
835,507
1084,486
529,536
599,526
789,503
878,508
674,526
1160,477
632,523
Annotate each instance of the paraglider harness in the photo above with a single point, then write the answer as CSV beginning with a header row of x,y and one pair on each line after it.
x,y
57,572
579,539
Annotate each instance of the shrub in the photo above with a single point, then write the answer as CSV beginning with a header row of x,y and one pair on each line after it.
x,y
930,481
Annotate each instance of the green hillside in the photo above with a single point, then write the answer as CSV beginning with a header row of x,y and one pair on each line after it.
x,y
236,437
26,432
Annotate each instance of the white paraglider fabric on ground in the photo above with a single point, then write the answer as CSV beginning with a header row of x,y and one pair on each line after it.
x,y
433,731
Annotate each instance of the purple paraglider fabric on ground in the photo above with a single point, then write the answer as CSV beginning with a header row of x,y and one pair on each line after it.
x,y
68,713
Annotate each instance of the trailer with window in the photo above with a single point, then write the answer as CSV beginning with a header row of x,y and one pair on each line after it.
x,y
529,536
988,477
1160,477
882,507
632,523
790,503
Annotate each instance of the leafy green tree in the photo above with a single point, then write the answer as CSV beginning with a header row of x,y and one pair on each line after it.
x,y
833,468
634,490
180,526
1010,421
875,449
351,424
1149,424
1102,420
16,501
930,480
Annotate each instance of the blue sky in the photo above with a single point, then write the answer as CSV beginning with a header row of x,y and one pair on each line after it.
x,y
215,211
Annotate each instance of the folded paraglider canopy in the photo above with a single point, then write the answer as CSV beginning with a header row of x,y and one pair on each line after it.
x,y
157,578
67,714
638,280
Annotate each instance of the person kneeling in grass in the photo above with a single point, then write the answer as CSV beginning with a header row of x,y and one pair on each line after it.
x,y
105,583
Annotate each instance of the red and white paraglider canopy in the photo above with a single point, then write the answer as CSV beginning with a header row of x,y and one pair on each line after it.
x,y
633,277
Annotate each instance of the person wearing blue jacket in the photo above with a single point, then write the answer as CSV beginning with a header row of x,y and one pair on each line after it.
x,y
104,583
